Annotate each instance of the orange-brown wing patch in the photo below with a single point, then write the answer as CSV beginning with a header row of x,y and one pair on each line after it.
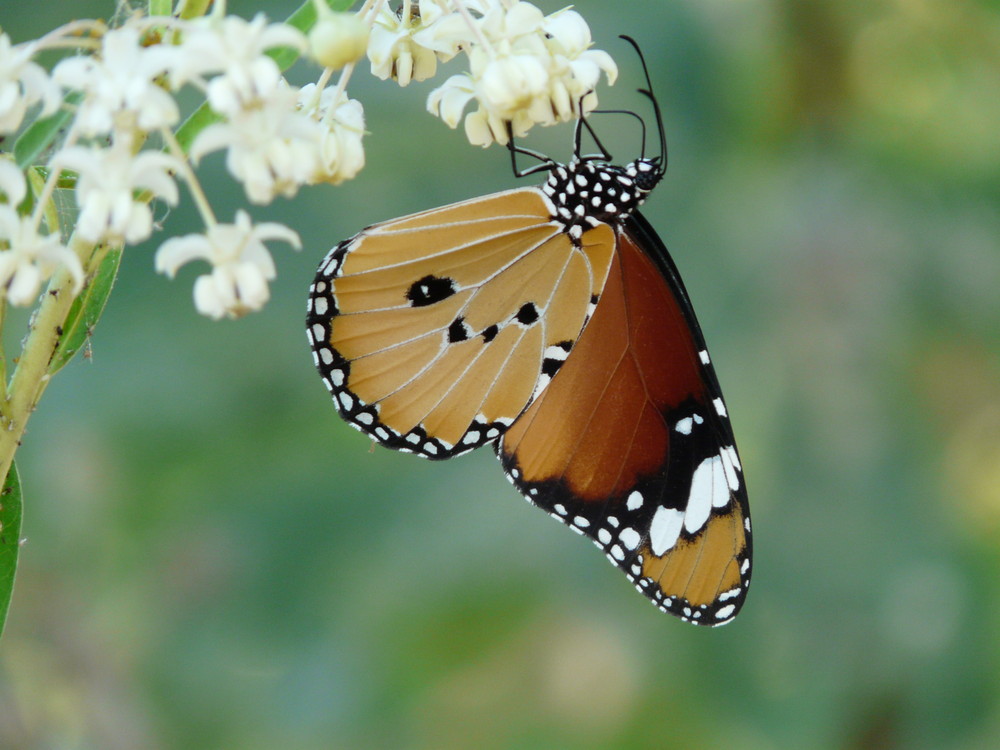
x,y
434,331
630,444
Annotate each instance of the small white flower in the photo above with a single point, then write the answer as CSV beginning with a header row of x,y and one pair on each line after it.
x,y
120,90
234,48
106,186
576,68
30,258
271,148
407,44
340,155
241,264
511,83
22,83
448,101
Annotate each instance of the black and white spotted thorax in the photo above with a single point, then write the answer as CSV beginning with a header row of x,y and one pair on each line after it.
x,y
586,192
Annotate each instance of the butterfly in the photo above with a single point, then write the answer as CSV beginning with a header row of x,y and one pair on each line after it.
x,y
551,322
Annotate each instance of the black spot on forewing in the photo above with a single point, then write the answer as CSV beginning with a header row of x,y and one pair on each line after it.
x,y
490,333
527,315
458,331
430,289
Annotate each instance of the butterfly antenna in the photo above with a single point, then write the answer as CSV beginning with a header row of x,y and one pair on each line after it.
x,y
648,93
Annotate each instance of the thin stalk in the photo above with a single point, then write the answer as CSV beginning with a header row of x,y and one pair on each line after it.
x,y
31,374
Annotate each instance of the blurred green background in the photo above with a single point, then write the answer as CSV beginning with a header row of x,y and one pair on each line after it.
x,y
215,560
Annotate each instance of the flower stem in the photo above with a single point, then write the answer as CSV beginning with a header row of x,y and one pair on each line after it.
x,y
31,374
197,194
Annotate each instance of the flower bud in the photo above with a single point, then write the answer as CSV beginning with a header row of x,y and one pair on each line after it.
x,y
338,39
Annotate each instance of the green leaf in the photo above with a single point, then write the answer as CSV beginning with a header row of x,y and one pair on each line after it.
x,y
40,134
10,538
86,310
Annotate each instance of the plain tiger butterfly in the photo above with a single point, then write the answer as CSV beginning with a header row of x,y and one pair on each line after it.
x,y
551,322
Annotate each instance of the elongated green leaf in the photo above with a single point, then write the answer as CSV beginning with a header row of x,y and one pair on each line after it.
x,y
86,311
39,135
10,538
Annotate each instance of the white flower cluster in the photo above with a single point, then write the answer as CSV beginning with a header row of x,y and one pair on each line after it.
x,y
525,68
276,138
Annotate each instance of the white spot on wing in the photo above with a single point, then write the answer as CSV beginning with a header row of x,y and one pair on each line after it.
x,y
709,489
734,456
720,407
630,537
729,594
732,478
555,352
725,612
634,501
703,356
664,529
684,426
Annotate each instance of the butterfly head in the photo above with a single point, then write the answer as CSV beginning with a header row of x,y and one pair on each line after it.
x,y
647,173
